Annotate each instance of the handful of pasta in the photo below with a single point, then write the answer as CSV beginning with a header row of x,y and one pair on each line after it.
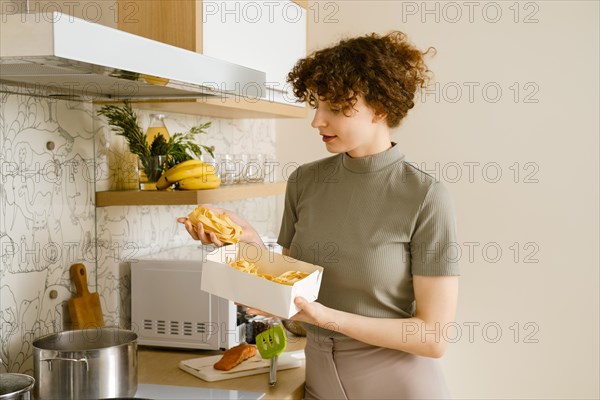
x,y
224,228
287,278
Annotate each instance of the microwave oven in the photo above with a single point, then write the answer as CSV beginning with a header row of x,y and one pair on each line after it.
x,y
168,309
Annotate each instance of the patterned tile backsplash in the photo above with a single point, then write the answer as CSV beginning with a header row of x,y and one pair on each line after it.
x,y
54,155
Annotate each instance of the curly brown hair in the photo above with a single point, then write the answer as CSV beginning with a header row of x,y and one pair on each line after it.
x,y
386,70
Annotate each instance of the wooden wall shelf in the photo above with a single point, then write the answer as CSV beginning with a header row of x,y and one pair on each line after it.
x,y
185,197
226,108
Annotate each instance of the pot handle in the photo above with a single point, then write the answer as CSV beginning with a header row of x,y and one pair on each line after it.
x,y
83,360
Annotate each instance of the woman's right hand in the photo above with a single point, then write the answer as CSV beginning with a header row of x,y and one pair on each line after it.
x,y
249,235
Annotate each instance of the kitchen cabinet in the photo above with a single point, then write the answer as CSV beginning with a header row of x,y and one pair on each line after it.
x,y
186,197
264,35
268,36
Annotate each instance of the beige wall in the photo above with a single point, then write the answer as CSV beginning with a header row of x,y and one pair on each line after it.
x,y
541,213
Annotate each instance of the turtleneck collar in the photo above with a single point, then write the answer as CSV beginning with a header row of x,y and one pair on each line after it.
x,y
373,162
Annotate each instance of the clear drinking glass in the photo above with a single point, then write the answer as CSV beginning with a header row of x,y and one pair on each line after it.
x,y
150,169
270,168
255,168
240,160
226,168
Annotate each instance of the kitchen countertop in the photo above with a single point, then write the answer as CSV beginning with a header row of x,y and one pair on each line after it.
x,y
161,366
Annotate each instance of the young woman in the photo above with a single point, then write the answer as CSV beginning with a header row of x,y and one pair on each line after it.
x,y
381,229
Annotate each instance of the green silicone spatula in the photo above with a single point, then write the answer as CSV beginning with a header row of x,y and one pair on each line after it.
x,y
270,344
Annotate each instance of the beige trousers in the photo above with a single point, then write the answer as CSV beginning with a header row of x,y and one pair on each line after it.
x,y
344,368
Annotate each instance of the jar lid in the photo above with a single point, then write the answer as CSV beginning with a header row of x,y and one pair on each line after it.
x,y
159,116
11,384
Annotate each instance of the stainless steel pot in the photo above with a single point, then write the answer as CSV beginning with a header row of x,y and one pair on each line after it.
x,y
15,386
85,364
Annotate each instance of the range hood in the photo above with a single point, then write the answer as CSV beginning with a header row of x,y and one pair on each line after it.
x,y
58,55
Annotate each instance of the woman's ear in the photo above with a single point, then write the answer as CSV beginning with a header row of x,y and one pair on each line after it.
x,y
379,117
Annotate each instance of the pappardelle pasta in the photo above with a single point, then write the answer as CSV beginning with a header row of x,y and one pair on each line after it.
x,y
287,278
224,228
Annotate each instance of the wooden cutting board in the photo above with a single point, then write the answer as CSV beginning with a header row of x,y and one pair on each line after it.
x,y
84,307
203,367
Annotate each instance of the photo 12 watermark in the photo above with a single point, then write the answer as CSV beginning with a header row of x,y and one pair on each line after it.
x,y
25,254
526,172
250,12
474,252
126,12
481,92
82,90
472,332
255,12
490,332
452,12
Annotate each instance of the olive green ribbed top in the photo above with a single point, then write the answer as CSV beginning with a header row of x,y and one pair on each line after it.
x,y
372,223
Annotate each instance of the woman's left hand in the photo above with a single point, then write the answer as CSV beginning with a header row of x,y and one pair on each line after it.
x,y
312,313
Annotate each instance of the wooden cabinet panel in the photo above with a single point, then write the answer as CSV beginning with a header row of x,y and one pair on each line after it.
x,y
167,21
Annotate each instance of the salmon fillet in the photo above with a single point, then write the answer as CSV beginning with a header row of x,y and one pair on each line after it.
x,y
235,356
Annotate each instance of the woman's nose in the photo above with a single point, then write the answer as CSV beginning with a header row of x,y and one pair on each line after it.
x,y
318,120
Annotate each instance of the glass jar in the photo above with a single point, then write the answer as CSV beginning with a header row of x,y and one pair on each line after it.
x,y
157,127
256,324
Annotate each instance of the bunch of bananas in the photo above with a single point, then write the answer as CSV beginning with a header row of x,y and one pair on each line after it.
x,y
189,175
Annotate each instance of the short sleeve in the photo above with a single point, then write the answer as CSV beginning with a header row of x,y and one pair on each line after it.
x,y
434,246
290,215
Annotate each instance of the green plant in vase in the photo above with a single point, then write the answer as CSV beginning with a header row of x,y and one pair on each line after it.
x,y
162,153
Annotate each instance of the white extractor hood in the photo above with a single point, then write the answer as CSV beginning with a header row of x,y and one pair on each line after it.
x,y
58,55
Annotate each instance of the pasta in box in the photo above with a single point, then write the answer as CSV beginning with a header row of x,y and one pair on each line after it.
x,y
260,278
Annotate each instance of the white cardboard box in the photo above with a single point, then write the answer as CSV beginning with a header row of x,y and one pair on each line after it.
x,y
222,280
